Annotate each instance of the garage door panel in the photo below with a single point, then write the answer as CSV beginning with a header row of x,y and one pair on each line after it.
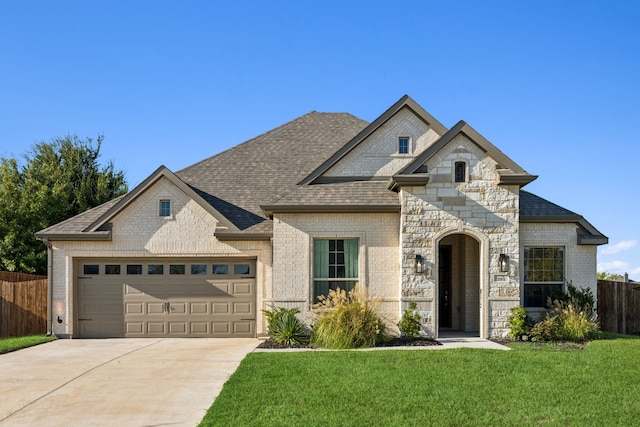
x,y
156,328
220,308
221,327
178,308
200,328
164,304
155,308
134,308
242,308
242,289
179,328
199,308
220,289
135,328
242,327
131,290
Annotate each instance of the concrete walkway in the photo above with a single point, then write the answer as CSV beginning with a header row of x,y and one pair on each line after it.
x,y
117,382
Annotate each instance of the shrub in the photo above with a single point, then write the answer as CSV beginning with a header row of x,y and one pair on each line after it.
x,y
566,322
519,322
285,328
348,320
410,324
577,326
546,330
581,298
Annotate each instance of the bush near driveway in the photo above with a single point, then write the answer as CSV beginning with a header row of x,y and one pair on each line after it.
x,y
599,385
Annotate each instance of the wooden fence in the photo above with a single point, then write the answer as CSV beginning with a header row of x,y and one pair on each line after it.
x,y
23,304
619,307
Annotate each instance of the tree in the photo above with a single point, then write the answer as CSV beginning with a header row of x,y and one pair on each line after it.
x,y
59,179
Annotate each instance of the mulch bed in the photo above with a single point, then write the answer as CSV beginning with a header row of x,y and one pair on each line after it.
x,y
393,342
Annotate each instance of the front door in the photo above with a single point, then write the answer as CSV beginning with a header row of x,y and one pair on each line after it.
x,y
444,286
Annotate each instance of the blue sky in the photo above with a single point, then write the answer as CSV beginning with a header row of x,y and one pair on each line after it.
x,y
553,84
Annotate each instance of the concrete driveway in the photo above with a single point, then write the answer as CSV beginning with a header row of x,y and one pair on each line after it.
x,y
117,382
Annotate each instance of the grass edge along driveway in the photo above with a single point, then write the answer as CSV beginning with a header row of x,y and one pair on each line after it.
x,y
17,343
599,385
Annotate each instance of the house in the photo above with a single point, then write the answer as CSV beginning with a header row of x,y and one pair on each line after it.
x,y
402,205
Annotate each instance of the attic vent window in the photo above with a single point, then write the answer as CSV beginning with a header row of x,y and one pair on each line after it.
x,y
403,145
165,208
460,172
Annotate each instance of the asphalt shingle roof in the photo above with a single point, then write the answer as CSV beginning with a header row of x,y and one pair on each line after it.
x,y
341,194
238,181
265,172
532,206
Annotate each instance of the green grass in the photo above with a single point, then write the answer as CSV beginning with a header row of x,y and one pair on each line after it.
x,y
13,344
599,385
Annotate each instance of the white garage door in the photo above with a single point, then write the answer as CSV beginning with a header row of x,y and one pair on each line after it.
x,y
166,298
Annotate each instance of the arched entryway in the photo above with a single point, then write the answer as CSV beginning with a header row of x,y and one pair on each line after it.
x,y
459,285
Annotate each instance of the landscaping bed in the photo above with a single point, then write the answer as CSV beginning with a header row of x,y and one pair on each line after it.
x,y
392,342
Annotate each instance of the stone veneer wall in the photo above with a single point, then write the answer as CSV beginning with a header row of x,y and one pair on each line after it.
x,y
139,232
479,208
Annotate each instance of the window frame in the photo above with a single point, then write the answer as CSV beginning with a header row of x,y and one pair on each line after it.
x,y
162,213
456,177
401,139
335,281
553,283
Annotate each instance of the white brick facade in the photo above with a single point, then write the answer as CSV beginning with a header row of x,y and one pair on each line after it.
x,y
379,268
378,155
138,232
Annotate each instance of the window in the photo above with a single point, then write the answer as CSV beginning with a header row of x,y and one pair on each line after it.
x,y
155,269
198,269
335,265
220,269
460,172
176,269
112,269
543,274
241,269
403,145
91,269
165,208
134,268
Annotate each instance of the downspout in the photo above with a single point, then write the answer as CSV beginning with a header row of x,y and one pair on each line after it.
x,y
46,242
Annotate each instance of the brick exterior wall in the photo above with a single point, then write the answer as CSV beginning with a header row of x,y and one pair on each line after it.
x,y
379,267
378,154
580,260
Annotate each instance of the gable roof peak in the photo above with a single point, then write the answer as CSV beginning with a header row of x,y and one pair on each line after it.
x,y
404,102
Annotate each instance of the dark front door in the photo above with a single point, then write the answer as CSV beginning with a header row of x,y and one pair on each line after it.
x,y
444,286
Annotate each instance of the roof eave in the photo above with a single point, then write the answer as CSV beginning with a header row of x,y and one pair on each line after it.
x,y
271,209
520,179
103,236
398,181
230,236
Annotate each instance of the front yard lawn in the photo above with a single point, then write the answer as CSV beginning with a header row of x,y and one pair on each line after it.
x,y
13,344
599,385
